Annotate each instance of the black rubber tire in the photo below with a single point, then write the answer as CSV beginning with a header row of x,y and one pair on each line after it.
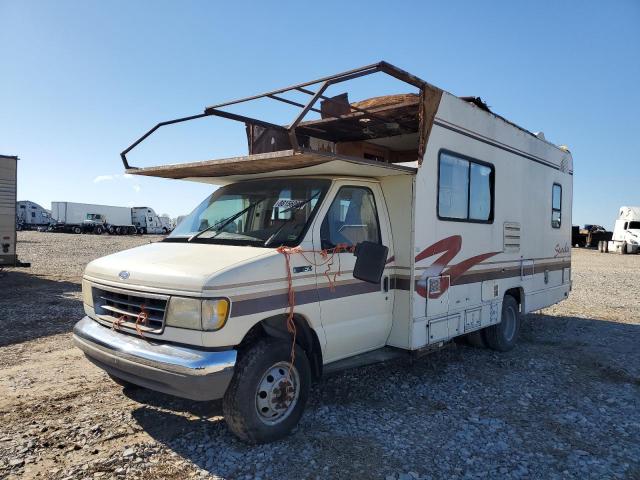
x,y
164,230
495,335
143,231
476,339
238,404
600,247
98,230
605,246
623,248
77,230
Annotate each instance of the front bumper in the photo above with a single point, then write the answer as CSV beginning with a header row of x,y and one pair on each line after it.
x,y
180,371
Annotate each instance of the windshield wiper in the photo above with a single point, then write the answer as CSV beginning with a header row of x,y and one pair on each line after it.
x,y
223,223
273,236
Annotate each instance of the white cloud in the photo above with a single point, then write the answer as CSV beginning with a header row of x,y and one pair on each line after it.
x,y
117,176
103,178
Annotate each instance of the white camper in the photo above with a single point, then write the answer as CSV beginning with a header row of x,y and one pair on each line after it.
x,y
379,228
85,217
626,232
30,215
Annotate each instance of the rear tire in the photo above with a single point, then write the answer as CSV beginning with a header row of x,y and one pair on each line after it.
x,y
98,231
77,230
262,403
504,335
605,246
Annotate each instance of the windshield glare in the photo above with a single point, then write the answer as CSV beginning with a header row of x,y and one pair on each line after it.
x,y
268,212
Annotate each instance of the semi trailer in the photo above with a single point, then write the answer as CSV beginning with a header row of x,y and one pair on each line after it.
x,y
146,220
30,216
8,188
376,229
626,233
90,218
98,219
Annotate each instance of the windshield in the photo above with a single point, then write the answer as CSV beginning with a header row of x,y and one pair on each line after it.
x,y
267,212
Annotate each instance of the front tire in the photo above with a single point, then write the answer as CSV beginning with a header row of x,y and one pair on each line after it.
x,y
265,400
504,335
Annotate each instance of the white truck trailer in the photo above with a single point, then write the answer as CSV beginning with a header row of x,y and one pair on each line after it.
x,y
377,229
30,215
626,233
8,237
85,217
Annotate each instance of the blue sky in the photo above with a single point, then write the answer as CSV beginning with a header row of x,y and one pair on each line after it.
x,y
80,80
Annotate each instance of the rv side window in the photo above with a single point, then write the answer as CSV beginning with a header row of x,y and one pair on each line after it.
x,y
465,189
351,219
556,206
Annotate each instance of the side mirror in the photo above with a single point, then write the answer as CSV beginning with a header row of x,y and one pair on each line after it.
x,y
372,257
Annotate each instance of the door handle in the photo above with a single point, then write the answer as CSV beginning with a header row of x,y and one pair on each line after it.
x,y
385,284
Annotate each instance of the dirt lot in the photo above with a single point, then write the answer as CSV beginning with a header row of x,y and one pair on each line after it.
x,y
564,404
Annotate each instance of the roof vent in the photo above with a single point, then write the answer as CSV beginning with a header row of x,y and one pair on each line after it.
x,y
540,135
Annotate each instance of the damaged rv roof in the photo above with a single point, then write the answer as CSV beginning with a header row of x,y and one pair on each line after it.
x,y
370,137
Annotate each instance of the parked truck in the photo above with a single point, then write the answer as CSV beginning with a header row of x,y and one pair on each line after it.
x,y
378,229
31,216
8,187
146,220
626,233
89,218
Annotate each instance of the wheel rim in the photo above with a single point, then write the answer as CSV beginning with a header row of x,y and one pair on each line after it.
x,y
509,324
277,393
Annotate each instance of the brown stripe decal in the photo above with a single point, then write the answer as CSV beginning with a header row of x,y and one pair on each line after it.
x,y
279,301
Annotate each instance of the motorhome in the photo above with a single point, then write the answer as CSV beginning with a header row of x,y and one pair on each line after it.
x,y
30,215
359,232
626,233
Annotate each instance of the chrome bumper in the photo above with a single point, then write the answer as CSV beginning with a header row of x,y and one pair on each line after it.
x,y
179,371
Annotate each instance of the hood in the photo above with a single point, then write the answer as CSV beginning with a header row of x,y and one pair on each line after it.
x,y
171,266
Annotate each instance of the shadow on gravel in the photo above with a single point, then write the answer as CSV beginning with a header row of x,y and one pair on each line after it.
x,y
32,307
168,402
185,435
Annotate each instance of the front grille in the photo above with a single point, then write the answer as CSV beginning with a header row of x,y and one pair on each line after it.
x,y
113,304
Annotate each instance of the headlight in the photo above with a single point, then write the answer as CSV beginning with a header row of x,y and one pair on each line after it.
x,y
197,314
87,294
214,313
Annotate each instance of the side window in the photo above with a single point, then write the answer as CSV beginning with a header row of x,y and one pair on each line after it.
x,y
556,206
465,189
351,219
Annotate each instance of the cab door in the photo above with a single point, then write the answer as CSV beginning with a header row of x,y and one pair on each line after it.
x,y
356,315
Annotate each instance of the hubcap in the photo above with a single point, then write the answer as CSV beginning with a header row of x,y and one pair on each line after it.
x,y
509,324
277,393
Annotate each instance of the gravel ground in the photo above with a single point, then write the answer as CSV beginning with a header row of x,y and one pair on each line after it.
x,y
563,404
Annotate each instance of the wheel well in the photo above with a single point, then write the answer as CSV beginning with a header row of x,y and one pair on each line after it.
x,y
518,294
276,326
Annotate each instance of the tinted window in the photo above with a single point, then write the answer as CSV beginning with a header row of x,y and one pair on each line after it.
x,y
351,219
465,189
556,206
